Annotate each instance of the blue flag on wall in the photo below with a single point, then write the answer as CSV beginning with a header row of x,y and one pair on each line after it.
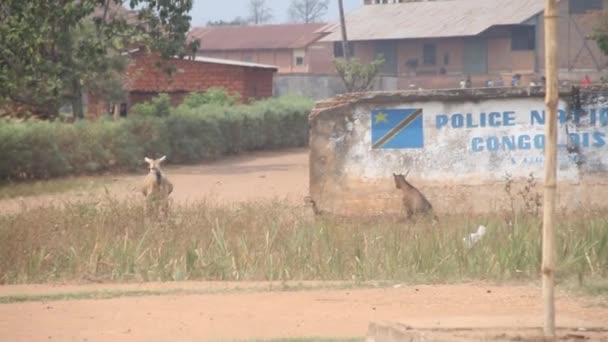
x,y
397,128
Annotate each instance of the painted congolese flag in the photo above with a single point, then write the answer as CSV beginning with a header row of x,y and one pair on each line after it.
x,y
397,128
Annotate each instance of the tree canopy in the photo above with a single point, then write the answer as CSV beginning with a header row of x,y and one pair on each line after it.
x,y
356,75
259,12
238,21
50,50
307,11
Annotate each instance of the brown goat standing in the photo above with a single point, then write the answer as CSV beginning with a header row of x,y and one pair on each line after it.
x,y
413,200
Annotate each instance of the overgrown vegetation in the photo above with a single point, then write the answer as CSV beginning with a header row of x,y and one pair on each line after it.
x,y
186,134
53,50
57,186
113,241
356,75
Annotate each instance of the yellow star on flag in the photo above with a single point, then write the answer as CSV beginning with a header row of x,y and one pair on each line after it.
x,y
381,117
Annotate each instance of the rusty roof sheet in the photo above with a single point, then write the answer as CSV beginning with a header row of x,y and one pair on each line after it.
x,y
249,37
432,19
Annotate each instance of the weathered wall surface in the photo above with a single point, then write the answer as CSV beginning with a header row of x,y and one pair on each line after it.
x,y
457,145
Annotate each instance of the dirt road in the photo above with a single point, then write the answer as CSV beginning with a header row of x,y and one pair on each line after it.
x,y
263,314
260,175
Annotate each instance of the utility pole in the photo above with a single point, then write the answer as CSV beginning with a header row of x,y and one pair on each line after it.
x,y
345,50
551,101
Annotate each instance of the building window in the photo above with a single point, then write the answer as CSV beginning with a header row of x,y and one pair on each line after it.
x,y
429,54
523,38
446,59
582,6
299,60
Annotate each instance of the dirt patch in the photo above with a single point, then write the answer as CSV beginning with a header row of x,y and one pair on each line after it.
x,y
260,175
263,314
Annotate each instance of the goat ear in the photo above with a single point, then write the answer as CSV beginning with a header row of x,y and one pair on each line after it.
x,y
162,159
148,160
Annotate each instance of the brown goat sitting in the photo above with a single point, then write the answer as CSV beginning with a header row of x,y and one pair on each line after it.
x,y
414,201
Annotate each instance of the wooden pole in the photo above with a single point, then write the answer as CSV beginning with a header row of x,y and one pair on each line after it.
x,y
343,27
550,186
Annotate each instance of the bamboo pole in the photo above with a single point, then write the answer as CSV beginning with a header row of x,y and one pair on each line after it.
x,y
550,186
345,50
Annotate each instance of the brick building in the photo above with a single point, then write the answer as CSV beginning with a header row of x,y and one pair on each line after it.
x,y
293,48
145,80
435,44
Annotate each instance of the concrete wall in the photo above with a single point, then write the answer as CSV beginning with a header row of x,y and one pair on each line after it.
x,y
458,149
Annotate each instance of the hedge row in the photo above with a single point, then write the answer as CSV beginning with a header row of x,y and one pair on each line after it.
x,y
38,150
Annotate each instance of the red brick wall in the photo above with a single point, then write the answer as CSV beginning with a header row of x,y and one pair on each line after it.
x,y
145,76
146,80
258,84
96,107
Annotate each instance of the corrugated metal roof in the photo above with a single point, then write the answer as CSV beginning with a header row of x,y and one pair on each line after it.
x,y
248,37
233,62
204,59
433,19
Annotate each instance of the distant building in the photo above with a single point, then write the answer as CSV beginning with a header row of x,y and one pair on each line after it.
x,y
145,80
293,48
436,44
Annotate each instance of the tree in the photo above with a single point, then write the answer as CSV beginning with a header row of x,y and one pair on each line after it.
x,y
238,21
259,12
50,50
307,11
358,76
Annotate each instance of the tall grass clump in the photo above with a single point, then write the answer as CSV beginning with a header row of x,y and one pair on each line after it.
x,y
206,126
274,241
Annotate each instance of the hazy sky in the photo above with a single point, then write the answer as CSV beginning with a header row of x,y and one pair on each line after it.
x,y
205,10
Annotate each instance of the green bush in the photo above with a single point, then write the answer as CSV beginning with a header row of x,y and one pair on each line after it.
x,y
213,95
159,106
39,150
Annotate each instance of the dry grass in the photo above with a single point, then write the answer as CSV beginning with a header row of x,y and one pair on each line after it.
x,y
34,188
113,241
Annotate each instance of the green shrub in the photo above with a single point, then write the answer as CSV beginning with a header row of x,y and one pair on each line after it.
x,y
39,150
213,95
159,106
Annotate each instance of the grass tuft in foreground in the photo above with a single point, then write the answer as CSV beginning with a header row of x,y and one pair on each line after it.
x,y
114,241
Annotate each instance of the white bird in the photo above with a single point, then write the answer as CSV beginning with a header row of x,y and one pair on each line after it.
x,y
473,238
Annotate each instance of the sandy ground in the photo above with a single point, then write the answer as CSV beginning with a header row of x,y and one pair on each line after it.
x,y
270,314
266,175
217,311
